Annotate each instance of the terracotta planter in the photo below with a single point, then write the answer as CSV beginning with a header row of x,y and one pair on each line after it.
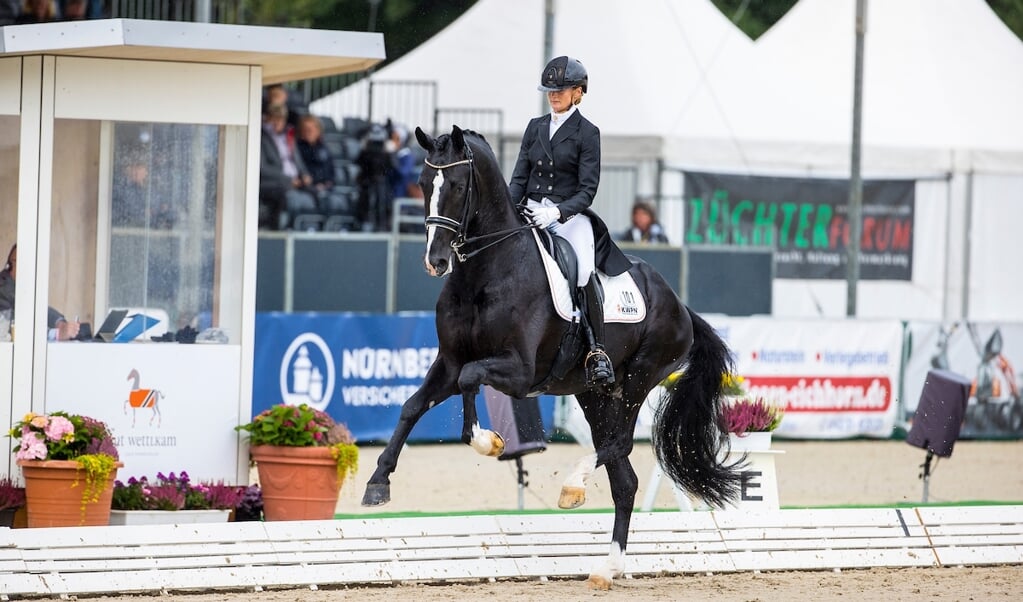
x,y
298,483
53,490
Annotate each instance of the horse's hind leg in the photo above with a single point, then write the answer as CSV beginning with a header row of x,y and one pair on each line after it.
x,y
624,484
437,386
611,424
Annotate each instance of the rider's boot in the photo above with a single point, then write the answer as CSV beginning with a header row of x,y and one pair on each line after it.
x,y
599,370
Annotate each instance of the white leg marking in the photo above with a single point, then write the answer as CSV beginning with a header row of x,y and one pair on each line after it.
x,y
614,564
582,471
438,181
481,440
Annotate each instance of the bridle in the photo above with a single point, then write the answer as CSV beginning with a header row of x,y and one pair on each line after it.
x,y
459,227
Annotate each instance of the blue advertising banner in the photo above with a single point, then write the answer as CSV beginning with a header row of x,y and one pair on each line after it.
x,y
360,369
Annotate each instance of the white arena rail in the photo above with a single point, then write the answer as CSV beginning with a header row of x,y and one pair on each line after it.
x,y
256,555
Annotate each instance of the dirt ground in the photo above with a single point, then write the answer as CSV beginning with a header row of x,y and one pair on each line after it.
x,y
446,478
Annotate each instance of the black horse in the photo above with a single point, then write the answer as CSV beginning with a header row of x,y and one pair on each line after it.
x,y
497,325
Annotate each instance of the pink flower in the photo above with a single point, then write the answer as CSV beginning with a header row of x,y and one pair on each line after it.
x,y
32,447
60,428
39,421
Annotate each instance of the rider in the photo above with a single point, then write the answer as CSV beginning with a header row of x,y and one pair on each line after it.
x,y
556,177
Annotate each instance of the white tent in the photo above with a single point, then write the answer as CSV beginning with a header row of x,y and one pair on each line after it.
x,y
674,80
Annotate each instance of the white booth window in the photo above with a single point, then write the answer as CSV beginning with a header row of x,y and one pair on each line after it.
x,y
10,148
140,206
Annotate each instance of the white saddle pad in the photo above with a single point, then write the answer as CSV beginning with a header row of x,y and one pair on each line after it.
x,y
622,300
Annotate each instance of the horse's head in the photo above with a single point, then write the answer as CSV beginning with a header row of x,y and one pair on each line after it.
x,y
447,181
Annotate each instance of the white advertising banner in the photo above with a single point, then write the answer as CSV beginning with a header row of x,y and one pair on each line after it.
x,y
835,378
171,407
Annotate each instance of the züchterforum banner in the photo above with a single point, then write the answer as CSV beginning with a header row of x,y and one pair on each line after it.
x,y
806,220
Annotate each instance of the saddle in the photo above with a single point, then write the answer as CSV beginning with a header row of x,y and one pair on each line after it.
x,y
622,302
564,256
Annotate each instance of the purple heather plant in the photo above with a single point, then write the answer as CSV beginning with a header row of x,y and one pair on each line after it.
x,y
746,415
174,492
12,495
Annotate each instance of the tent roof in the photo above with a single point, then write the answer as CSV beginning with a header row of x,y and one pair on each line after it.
x,y
941,80
284,53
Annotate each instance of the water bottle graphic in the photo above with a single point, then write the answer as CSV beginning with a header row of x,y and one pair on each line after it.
x,y
301,372
307,372
316,385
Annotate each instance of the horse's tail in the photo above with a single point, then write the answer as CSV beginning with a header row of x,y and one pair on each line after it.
x,y
686,437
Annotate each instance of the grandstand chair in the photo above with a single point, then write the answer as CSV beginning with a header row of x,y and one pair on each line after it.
x,y
341,223
308,222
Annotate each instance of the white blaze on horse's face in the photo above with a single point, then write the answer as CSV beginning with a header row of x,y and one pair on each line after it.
x,y
431,231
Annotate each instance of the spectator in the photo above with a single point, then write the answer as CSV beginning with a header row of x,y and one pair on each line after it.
x,y
277,94
60,329
403,176
284,180
645,227
376,192
320,163
38,11
315,154
75,10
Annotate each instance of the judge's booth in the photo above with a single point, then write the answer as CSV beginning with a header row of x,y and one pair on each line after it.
x,y
129,158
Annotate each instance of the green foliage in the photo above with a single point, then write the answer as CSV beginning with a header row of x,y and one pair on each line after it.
x,y
295,426
754,17
1011,13
98,468
404,23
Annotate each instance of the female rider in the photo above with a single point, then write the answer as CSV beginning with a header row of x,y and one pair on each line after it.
x,y
556,177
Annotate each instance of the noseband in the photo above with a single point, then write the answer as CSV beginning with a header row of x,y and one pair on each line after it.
x,y
459,227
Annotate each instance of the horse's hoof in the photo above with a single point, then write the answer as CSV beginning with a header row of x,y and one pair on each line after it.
x,y
496,444
572,497
599,582
377,494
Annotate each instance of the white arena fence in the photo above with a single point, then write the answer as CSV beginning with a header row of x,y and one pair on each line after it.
x,y
309,554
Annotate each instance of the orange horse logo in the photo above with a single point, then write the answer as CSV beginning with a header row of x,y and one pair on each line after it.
x,y
142,398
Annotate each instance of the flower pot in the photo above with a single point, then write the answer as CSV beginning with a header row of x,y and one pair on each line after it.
x,y
167,517
750,441
298,483
7,517
54,493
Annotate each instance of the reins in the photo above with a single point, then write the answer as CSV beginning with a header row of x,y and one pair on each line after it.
x,y
458,227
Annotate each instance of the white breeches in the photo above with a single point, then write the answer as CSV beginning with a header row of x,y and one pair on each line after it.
x,y
578,231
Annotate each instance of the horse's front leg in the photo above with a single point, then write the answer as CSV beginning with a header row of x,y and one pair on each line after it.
x,y
503,373
486,442
437,386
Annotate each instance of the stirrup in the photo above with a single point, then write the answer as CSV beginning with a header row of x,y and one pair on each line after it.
x,y
599,370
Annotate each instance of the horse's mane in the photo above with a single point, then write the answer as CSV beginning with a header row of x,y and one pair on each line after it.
x,y
474,138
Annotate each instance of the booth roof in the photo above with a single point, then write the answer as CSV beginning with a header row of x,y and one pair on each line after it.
x,y
285,54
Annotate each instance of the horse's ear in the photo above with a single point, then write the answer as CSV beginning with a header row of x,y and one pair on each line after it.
x,y
456,138
425,141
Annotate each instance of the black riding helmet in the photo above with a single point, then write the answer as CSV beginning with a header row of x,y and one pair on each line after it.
x,y
561,73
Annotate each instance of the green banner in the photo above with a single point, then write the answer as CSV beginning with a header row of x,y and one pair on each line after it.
x,y
806,221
